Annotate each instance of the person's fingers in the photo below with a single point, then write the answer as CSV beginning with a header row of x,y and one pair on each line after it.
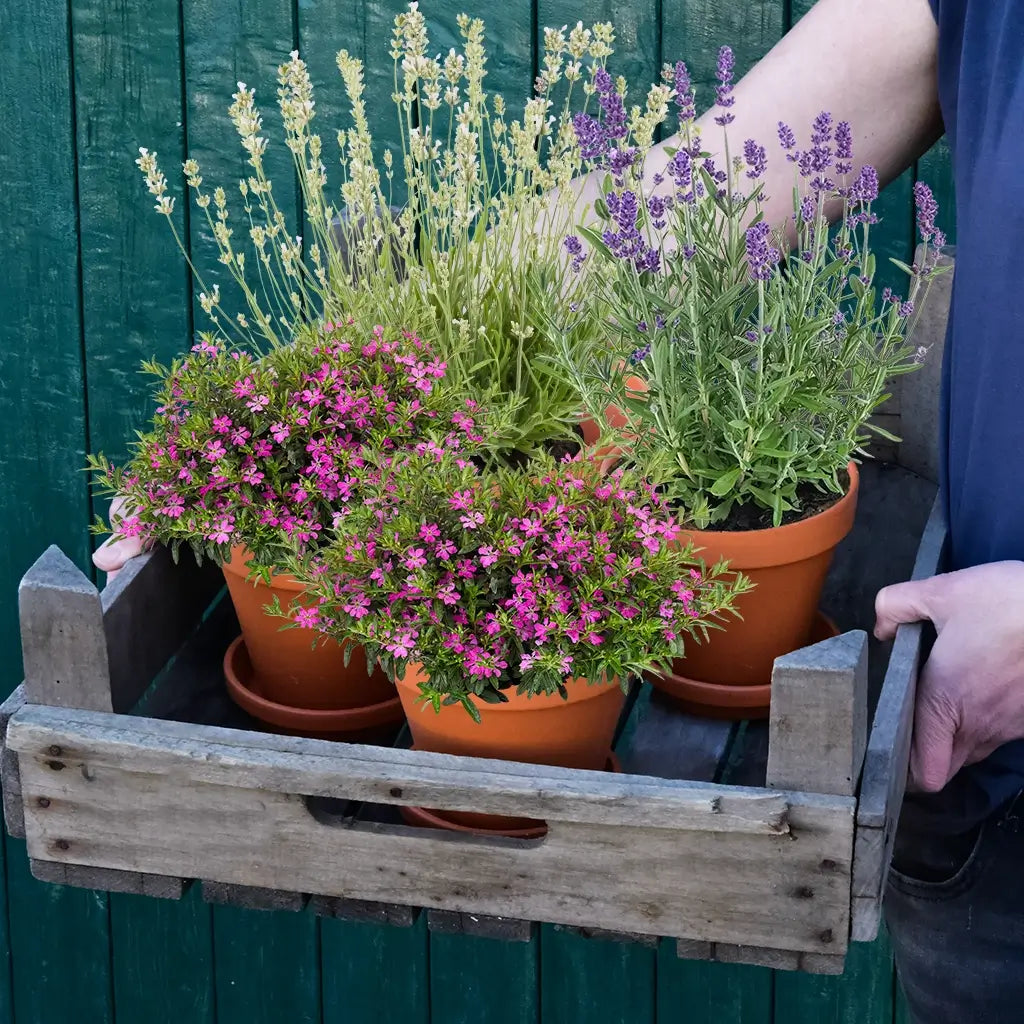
x,y
936,721
114,552
900,603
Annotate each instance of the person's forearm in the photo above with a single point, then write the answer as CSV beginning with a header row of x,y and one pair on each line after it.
x,y
868,62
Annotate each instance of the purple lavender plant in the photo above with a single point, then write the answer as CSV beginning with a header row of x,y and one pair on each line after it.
x,y
723,91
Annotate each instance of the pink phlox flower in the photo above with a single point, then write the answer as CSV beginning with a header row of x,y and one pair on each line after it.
x,y
666,610
258,404
472,520
595,639
466,569
488,555
214,451
430,532
307,618
222,424
527,661
445,550
279,431
461,500
240,436
415,558
357,606
262,449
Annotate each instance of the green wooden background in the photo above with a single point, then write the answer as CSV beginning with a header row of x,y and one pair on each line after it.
x,y
88,288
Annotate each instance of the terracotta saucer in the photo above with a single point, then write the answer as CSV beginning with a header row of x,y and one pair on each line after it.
x,y
517,828
731,702
373,722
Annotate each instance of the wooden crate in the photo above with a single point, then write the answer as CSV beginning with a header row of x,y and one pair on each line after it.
x,y
748,842
126,767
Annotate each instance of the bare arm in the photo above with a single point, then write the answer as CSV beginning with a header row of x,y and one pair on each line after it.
x,y
869,62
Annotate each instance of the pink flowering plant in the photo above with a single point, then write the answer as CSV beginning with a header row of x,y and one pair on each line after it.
x,y
504,579
762,353
260,451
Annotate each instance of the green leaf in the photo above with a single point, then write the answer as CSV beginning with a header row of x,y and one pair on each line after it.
x,y
726,482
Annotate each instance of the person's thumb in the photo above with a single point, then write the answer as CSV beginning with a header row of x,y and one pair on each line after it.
x,y
900,603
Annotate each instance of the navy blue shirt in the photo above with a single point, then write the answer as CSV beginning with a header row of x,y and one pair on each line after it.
x,y
981,90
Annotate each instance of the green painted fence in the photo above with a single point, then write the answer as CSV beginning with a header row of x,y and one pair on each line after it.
x,y
88,288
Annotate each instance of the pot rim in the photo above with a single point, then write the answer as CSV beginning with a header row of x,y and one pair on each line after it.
x,y
579,690
804,539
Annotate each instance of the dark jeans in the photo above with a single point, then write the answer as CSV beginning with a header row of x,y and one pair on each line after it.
x,y
955,911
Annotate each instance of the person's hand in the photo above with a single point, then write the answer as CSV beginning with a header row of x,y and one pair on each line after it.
x,y
112,554
970,694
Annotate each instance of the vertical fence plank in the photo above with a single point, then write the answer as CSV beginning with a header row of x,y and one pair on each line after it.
x,y
863,994
268,967
596,980
163,960
483,981
55,934
698,992
135,306
374,974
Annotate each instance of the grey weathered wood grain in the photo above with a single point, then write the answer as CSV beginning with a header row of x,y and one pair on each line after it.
x,y
888,752
149,610
818,719
180,810
453,922
252,897
369,911
760,956
64,647
10,776
108,879
188,753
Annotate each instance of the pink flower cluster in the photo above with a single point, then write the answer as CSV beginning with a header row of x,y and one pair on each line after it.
x,y
263,451
511,577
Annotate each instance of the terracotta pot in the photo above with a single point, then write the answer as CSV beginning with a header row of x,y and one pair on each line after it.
x,y
287,668
788,565
573,733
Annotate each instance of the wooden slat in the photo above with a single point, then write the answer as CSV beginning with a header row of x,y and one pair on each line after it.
x,y
169,814
108,879
62,640
10,777
192,753
818,722
454,922
149,611
252,897
888,752
364,911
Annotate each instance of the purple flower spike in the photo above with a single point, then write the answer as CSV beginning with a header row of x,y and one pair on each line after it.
x,y
844,148
756,158
761,254
787,140
865,188
684,93
821,134
906,309
574,247
611,105
927,208
723,91
591,136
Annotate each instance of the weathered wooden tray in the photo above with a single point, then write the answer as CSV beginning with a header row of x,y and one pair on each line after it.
x,y
752,842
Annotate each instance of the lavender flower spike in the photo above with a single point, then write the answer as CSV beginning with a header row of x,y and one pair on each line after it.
x,y
787,140
684,93
844,148
756,159
723,91
865,188
927,208
761,254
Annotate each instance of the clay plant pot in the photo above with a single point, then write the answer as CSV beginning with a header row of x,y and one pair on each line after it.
x,y
788,565
572,733
282,671
616,419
